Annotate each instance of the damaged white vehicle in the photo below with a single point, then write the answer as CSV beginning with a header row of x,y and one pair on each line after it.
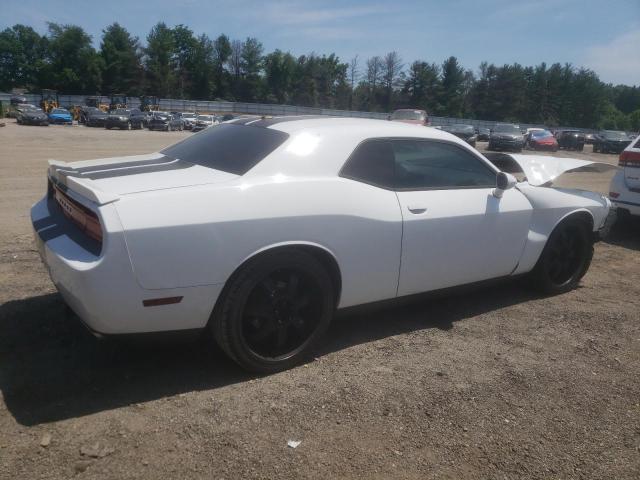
x,y
259,229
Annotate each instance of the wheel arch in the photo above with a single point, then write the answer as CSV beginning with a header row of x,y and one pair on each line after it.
x,y
540,233
583,214
321,253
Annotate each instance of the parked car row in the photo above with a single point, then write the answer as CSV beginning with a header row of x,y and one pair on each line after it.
x,y
122,118
28,114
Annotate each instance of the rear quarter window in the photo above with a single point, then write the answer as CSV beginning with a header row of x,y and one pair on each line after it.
x,y
231,148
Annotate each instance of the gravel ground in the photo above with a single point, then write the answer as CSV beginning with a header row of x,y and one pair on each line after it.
x,y
495,383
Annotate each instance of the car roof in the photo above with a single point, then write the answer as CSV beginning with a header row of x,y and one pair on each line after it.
x,y
326,142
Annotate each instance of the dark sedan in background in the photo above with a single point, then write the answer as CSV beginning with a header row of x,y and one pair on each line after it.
x,y
31,115
570,139
124,119
506,136
610,141
165,121
465,132
94,117
483,134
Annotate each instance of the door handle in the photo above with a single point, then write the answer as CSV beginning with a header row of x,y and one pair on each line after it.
x,y
416,209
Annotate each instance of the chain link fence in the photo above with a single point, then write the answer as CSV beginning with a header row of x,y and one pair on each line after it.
x,y
177,105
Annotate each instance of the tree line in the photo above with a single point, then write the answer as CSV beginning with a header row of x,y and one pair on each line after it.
x,y
174,62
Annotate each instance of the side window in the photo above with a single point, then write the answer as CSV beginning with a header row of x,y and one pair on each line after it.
x,y
432,165
371,162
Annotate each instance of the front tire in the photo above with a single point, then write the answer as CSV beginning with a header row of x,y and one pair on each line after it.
x,y
565,259
274,310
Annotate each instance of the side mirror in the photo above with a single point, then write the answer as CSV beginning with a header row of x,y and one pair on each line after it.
x,y
504,181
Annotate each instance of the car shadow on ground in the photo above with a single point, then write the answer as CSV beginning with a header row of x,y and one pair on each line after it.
x,y
625,233
52,369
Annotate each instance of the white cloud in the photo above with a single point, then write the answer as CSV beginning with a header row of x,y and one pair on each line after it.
x,y
293,14
617,61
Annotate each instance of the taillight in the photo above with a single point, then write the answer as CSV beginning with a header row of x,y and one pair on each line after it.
x,y
629,159
85,219
614,194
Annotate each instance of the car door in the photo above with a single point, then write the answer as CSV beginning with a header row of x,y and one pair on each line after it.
x,y
455,231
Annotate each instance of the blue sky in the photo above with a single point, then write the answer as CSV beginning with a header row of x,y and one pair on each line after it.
x,y
603,35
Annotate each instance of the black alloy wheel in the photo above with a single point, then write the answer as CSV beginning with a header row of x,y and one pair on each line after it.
x,y
274,310
281,313
565,259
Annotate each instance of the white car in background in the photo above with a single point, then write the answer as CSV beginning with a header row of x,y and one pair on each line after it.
x,y
624,190
205,121
259,229
188,120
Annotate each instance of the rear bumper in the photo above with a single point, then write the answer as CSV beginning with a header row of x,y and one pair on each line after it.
x,y
505,144
626,199
61,121
543,147
116,123
101,288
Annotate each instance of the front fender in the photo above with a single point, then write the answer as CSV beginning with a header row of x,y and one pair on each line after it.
x,y
550,207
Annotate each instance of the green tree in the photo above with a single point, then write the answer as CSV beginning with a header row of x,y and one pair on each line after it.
x,y
221,54
184,46
453,79
74,66
422,86
122,65
159,61
23,54
202,68
279,70
634,121
391,71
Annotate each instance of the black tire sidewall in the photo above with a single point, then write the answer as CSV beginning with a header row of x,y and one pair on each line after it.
x,y
540,275
226,322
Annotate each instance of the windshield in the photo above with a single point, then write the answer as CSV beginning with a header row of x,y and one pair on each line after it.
x,y
614,135
230,148
59,110
188,115
507,128
462,129
205,118
541,134
408,115
120,111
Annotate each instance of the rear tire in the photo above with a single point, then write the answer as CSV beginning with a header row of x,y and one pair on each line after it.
x,y
565,259
274,310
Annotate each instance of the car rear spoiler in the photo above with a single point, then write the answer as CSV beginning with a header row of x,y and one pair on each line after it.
x,y
540,170
61,173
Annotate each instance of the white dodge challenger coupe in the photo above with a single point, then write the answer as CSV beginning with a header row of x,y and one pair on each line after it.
x,y
259,229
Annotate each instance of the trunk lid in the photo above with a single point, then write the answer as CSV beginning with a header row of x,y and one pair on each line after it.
x,y
105,180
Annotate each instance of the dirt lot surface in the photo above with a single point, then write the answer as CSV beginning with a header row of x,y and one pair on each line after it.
x,y
497,383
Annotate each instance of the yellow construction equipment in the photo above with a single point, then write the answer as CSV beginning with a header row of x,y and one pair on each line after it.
x,y
118,100
49,100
